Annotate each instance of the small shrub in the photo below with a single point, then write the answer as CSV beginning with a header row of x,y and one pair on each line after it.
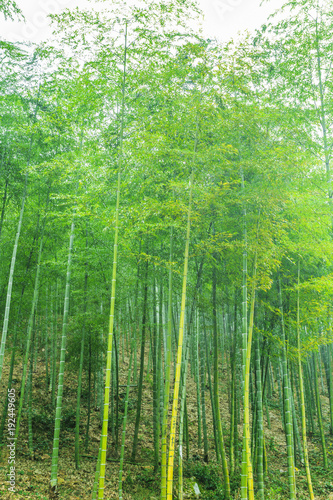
x,y
68,418
207,476
42,421
142,479
147,479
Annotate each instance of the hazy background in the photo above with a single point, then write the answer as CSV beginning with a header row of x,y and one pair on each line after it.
x,y
223,18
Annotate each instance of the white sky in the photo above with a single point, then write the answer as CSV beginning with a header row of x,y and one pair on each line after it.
x,y
223,18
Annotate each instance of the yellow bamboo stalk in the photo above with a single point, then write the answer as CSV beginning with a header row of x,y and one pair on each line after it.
x,y
104,435
301,390
179,356
164,464
247,438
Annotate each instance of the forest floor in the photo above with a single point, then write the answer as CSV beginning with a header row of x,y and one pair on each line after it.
x,y
139,481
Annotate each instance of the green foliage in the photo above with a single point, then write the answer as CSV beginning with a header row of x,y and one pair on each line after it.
x,y
208,478
10,9
147,479
95,347
255,106
275,494
141,481
68,418
131,405
43,422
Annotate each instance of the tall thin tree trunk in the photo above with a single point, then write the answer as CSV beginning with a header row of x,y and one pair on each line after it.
x,y
29,332
55,452
142,360
179,356
13,261
4,201
319,412
260,459
167,381
79,384
287,409
102,462
216,393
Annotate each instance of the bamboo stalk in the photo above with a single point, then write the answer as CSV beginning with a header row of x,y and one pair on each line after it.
x,y
13,260
104,435
301,387
122,449
179,356
167,381
55,451
287,409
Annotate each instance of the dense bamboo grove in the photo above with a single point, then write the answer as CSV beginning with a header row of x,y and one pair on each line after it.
x,y
166,224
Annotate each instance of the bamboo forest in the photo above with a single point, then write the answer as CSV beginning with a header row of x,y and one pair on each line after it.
x,y
166,272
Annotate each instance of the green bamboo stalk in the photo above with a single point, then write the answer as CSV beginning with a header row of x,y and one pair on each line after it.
x,y
155,354
150,358
162,347
142,358
13,260
29,333
271,379
297,386
30,436
279,378
55,451
77,418
326,356
320,371
319,412
11,371
287,408
186,431
54,332
202,386
260,457
37,333
267,413
79,384
254,432
97,472
297,440
232,340
122,449
5,194
211,392
216,392
310,403
46,323
89,395
329,377
116,385
196,375
236,410
100,380
330,384
10,281
112,389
